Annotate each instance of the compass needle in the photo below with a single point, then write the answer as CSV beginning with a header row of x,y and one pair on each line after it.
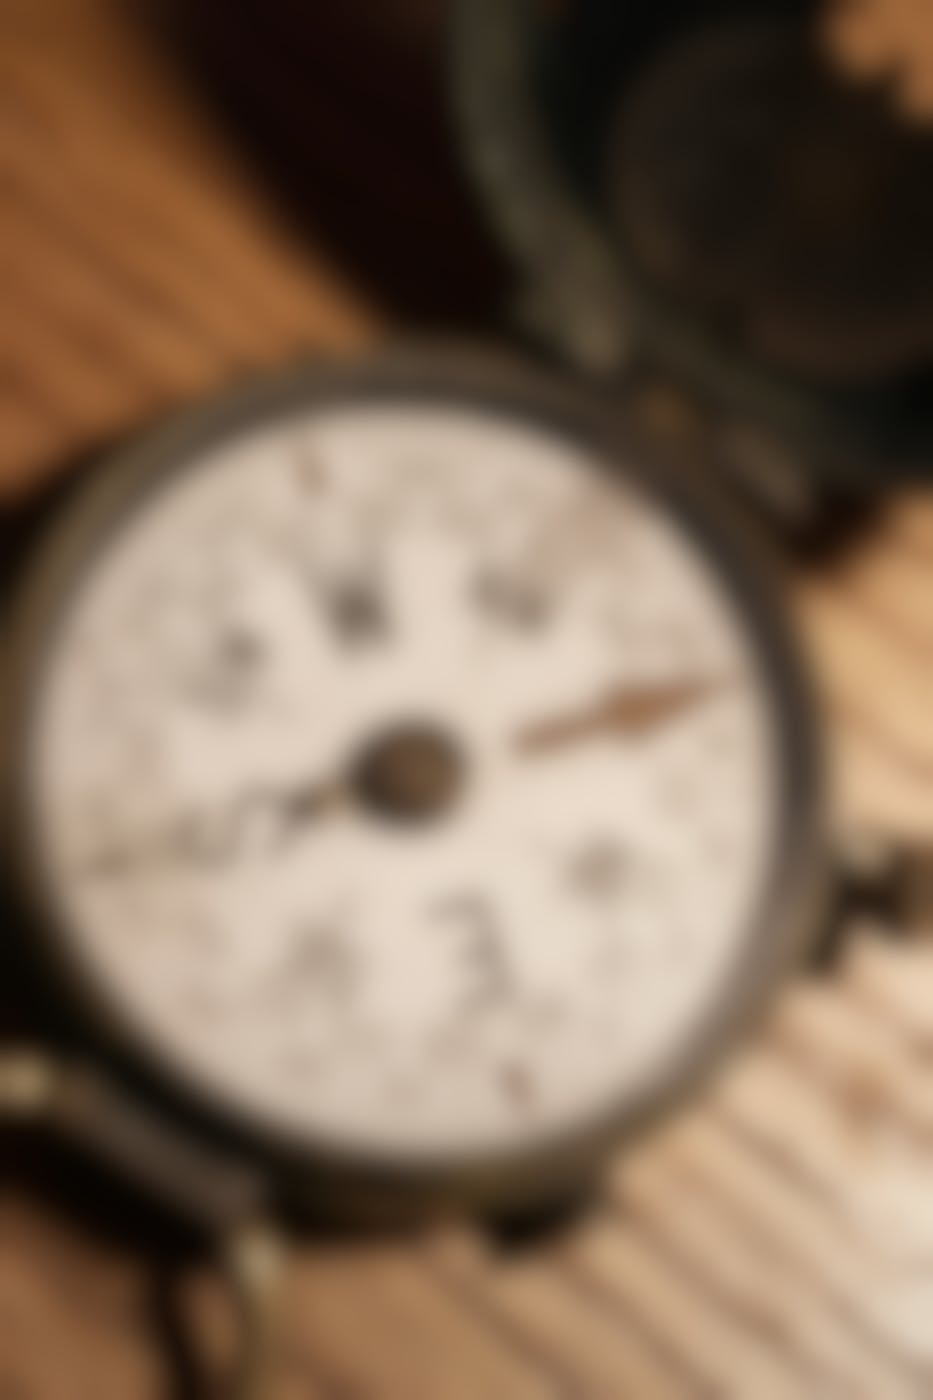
x,y
629,712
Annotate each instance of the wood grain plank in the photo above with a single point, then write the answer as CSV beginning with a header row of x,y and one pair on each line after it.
x,y
73,1319
896,982
893,589
625,1264
379,1324
865,671
597,1351
911,523
776,1298
842,1038
873,784
749,1178
130,128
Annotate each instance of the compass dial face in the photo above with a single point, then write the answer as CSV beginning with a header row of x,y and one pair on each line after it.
x,y
409,778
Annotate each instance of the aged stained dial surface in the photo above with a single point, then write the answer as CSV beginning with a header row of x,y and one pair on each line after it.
x,y
410,780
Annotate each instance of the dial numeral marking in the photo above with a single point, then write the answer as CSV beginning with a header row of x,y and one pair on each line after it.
x,y
598,870
521,603
356,610
223,678
518,1084
490,979
322,963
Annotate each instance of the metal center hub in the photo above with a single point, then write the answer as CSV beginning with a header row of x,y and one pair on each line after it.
x,y
412,772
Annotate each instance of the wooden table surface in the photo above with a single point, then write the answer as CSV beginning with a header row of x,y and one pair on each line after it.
x,y
776,1240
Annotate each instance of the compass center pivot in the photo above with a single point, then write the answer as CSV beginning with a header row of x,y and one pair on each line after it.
x,y
411,772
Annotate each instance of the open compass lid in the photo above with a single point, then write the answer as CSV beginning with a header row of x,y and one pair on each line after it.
x,y
710,194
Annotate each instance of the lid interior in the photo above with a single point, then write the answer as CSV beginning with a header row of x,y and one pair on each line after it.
x,y
755,198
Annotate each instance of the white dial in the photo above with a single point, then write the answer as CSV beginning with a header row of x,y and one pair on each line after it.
x,y
407,778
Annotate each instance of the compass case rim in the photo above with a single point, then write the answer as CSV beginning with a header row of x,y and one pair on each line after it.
x,y
318,1176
